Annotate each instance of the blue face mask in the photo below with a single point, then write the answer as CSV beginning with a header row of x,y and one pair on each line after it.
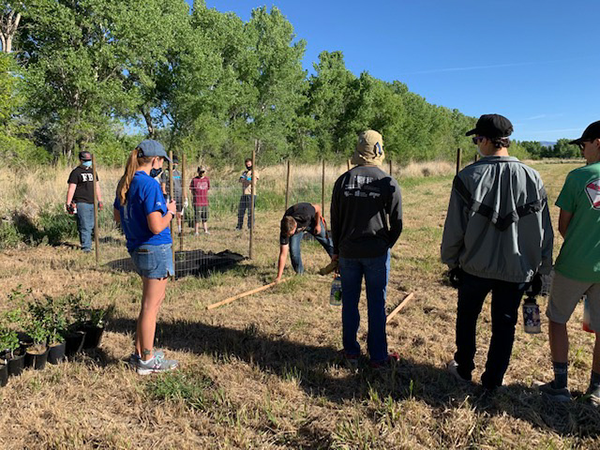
x,y
86,164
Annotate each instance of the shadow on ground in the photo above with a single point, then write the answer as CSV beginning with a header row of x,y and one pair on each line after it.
x,y
191,262
312,365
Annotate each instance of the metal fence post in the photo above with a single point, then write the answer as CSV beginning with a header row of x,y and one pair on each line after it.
x,y
457,160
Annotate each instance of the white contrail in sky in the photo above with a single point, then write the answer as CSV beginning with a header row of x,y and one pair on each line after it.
x,y
494,66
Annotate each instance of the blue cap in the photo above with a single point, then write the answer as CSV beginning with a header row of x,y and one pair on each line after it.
x,y
150,147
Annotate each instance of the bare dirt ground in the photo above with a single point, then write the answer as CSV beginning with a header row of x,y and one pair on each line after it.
x,y
263,372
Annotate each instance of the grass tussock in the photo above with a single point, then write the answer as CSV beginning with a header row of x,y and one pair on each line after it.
x,y
263,371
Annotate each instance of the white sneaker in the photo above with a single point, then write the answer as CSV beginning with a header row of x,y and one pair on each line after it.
x,y
155,365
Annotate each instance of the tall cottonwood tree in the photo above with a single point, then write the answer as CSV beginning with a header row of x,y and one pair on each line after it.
x,y
10,18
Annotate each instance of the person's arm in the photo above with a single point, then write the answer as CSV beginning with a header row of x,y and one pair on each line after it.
x,y
157,222
454,230
99,196
334,214
116,216
395,213
564,218
318,218
70,193
283,252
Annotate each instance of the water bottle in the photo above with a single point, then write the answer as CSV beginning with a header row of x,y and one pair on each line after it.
x,y
586,315
335,297
531,316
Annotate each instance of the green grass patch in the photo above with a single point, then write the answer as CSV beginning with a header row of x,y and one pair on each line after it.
x,y
193,389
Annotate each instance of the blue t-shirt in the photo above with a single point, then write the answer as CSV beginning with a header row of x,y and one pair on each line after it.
x,y
144,197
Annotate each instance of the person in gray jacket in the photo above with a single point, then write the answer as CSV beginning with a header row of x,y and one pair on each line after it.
x,y
497,237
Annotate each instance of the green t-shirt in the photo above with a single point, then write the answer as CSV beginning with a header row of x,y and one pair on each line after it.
x,y
579,256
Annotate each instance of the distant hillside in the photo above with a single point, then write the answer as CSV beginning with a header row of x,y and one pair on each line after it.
x,y
548,143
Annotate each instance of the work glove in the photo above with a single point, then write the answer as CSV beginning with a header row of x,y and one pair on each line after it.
x,y
536,285
455,277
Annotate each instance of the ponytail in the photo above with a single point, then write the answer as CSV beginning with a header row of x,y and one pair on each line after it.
x,y
133,163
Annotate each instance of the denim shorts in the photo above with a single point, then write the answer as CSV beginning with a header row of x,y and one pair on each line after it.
x,y
153,261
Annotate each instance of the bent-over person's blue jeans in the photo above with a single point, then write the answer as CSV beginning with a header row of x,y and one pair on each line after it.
x,y
295,254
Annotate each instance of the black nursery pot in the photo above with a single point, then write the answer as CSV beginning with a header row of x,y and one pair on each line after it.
x,y
16,364
3,375
37,361
74,342
93,336
56,353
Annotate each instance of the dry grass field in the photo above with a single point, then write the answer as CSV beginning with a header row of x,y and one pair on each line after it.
x,y
263,372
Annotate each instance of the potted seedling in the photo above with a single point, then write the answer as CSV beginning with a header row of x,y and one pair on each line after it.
x,y
74,335
94,326
55,320
11,350
11,360
36,326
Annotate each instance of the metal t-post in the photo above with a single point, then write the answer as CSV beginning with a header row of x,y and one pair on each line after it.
x,y
96,238
457,160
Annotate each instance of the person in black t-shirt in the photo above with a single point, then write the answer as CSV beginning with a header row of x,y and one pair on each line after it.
x,y
297,220
80,198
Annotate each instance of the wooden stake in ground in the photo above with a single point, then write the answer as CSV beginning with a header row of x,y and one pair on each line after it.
x,y
96,236
183,199
243,294
323,189
287,186
252,193
400,307
174,218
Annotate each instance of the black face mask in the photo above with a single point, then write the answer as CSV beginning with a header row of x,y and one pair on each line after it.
x,y
155,172
248,168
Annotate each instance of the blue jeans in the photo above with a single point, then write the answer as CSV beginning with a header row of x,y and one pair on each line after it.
x,y
506,298
85,224
242,207
295,254
376,272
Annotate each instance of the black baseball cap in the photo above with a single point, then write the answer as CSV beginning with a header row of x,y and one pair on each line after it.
x,y
85,156
492,126
591,132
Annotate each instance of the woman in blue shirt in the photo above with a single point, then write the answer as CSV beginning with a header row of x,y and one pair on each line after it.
x,y
145,217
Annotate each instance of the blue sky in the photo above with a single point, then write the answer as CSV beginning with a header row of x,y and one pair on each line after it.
x,y
533,61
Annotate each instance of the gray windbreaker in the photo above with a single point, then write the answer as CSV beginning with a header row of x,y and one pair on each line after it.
x,y
498,225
